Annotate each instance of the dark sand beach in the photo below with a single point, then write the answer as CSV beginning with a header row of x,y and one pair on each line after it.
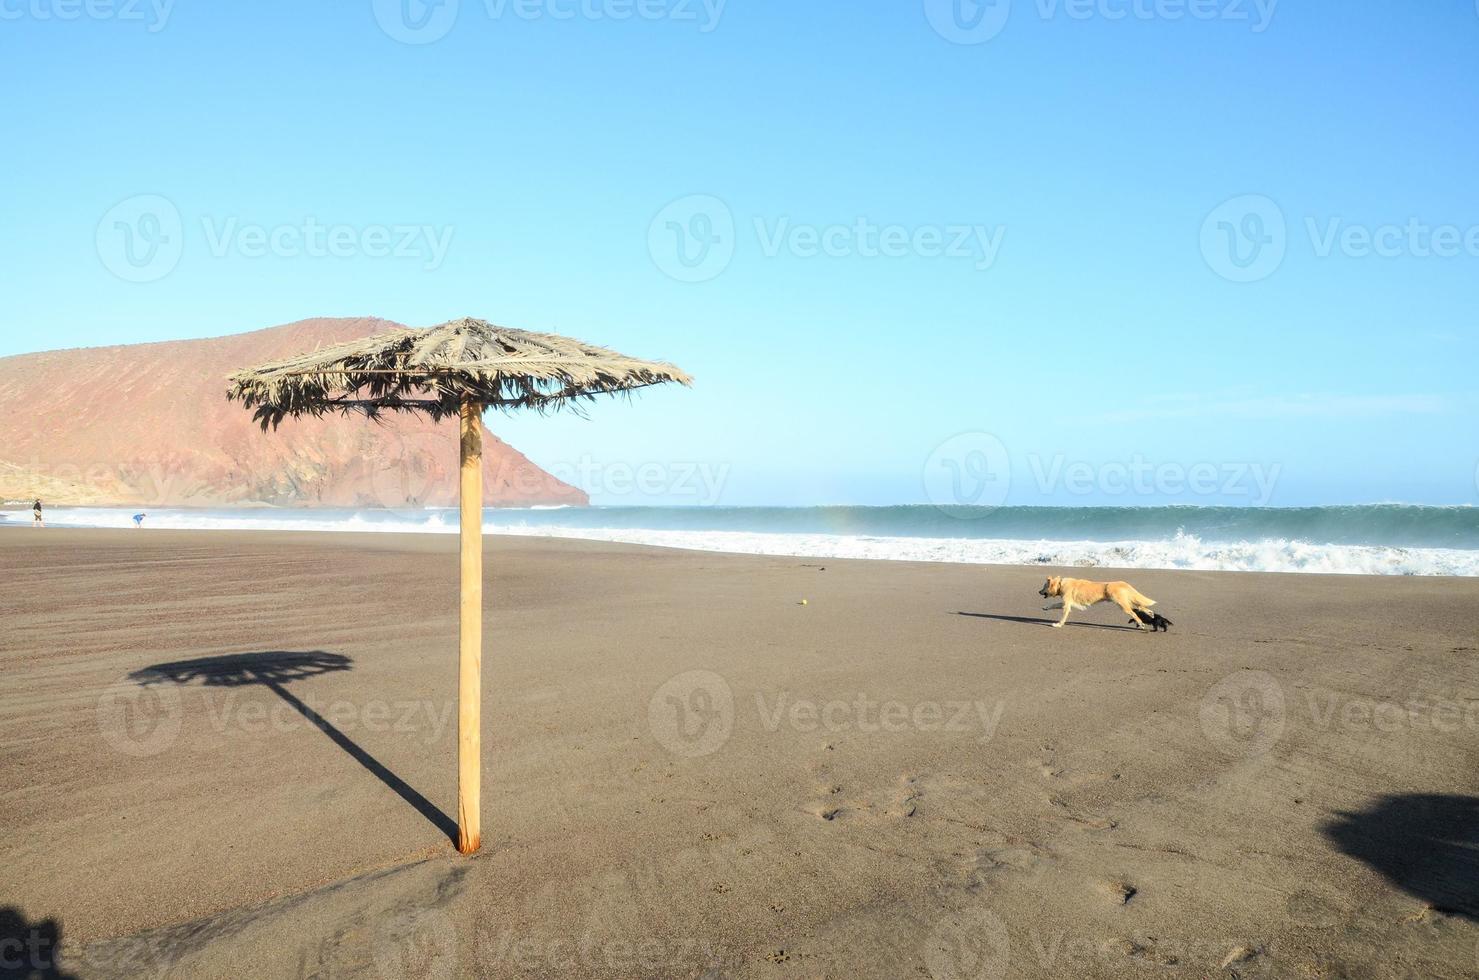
x,y
228,754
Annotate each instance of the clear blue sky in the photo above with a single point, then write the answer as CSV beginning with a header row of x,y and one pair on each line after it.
x,y
1090,142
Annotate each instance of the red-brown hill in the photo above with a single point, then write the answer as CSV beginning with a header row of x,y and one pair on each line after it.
x,y
149,424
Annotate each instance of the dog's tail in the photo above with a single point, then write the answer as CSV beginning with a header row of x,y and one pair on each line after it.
x,y
1139,601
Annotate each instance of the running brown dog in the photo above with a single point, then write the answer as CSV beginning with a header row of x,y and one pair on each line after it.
x,y
1077,593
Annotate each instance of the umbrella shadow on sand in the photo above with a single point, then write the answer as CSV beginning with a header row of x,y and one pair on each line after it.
x,y
274,670
30,949
1427,844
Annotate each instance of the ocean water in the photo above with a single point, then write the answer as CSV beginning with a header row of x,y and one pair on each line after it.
x,y
1380,539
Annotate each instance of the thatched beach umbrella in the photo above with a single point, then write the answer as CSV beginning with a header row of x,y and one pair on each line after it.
x,y
460,368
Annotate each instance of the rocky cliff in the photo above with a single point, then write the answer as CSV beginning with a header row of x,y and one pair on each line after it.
x,y
149,424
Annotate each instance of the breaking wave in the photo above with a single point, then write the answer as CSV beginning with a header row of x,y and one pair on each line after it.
x,y
1384,539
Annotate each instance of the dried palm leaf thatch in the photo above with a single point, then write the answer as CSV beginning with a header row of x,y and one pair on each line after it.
x,y
437,369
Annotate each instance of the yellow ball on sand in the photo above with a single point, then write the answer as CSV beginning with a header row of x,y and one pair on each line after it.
x,y
803,602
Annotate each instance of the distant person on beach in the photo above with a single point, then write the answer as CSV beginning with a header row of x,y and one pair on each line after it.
x,y
139,520
39,521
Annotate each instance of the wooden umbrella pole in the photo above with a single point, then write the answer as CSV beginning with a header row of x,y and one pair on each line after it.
x,y
470,662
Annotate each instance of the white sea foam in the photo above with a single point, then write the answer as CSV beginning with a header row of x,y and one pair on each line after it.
x,y
1180,551
1183,551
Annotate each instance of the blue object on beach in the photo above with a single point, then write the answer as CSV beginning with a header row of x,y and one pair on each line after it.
x,y
139,520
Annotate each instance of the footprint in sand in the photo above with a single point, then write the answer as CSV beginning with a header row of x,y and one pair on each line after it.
x,y
906,797
1124,947
902,802
1092,821
829,806
1017,858
1118,892
1240,956
1075,778
1312,911
1143,948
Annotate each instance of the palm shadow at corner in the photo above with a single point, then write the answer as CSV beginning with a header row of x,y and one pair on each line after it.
x,y
1427,844
1036,621
274,669
30,950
